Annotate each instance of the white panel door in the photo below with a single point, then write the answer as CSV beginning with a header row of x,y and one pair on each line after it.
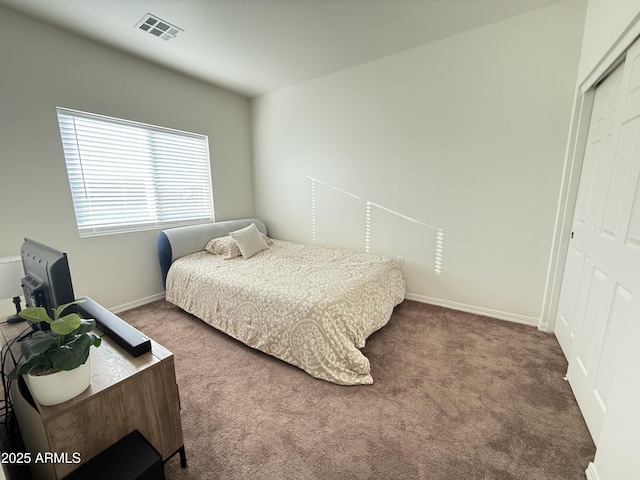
x,y
602,275
599,147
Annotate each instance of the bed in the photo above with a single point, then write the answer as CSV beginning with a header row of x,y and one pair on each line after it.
x,y
311,306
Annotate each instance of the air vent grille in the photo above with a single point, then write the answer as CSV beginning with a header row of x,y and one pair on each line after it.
x,y
158,27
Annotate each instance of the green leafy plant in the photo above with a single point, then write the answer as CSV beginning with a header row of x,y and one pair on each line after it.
x,y
64,347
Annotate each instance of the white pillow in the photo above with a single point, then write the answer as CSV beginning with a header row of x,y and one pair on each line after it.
x,y
249,240
227,248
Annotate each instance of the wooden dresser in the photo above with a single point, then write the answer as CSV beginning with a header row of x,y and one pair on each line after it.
x,y
126,393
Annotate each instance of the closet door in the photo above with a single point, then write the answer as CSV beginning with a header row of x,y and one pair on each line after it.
x,y
599,148
599,297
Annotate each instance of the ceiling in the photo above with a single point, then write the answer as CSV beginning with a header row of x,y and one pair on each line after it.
x,y
257,46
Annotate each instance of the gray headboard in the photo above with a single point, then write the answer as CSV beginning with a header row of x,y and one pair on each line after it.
x,y
174,243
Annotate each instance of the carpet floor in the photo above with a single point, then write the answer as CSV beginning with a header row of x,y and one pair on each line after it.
x,y
455,396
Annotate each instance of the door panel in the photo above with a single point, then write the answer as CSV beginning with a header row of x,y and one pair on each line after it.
x,y
565,324
571,304
614,202
613,335
601,285
597,299
632,189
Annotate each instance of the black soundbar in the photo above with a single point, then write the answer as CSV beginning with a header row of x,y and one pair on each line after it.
x,y
132,340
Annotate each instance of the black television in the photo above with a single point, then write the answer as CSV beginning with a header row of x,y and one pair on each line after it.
x,y
47,280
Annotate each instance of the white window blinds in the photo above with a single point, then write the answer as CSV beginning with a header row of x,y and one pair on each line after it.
x,y
127,176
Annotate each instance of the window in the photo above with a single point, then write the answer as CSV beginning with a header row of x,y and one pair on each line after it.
x,y
127,176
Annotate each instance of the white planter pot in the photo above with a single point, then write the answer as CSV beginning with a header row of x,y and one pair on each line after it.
x,y
60,386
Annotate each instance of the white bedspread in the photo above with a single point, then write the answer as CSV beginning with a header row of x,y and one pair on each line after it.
x,y
310,306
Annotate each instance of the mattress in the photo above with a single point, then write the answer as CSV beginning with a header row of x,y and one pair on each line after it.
x,y
308,305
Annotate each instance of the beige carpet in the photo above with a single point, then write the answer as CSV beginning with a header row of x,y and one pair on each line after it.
x,y
455,396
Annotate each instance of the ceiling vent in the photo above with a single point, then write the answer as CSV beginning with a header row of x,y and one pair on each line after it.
x,y
158,27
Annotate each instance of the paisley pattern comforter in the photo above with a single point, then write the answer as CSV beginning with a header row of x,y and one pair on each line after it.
x,y
310,306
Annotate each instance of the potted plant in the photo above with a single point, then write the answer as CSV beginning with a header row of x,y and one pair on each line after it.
x,y
56,361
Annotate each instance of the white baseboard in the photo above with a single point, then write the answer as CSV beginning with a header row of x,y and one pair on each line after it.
x,y
487,312
592,472
137,303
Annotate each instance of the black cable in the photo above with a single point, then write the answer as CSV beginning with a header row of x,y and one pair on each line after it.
x,y
7,414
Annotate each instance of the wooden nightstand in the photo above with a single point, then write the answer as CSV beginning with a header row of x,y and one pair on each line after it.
x,y
126,393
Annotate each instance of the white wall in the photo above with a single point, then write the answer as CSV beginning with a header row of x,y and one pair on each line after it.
x,y
41,68
466,135
606,22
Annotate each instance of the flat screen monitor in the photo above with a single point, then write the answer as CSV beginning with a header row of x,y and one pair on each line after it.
x,y
47,280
